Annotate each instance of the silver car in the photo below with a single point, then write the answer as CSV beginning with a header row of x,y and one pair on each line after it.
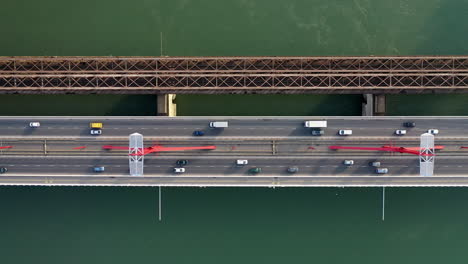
x,y
381,170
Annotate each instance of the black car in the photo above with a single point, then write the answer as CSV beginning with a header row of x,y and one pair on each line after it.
x,y
3,170
182,162
409,124
317,132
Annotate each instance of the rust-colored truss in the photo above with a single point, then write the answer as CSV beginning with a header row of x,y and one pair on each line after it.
x,y
212,75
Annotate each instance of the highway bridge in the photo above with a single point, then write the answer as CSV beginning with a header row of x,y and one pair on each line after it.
x,y
233,75
62,152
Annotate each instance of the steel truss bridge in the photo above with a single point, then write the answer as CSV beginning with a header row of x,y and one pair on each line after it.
x,y
233,75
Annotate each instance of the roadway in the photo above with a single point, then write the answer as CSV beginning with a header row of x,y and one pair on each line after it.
x,y
46,156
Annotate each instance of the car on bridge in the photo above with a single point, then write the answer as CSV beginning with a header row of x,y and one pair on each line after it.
x,y
381,170
255,170
348,162
95,132
179,170
99,169
198,133
34,124
182,162
433,131
317,132
3,170
345,132
293,169
400,132
409,124
242,162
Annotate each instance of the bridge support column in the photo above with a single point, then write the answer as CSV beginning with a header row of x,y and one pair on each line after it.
x,y
166,106
380,107
368,105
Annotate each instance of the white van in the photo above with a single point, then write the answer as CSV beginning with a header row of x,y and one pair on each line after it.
x,y
345,132
219,124
242,162
315,124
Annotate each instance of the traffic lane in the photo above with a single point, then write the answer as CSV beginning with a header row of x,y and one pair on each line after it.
x,y
227,166
237,127
368,131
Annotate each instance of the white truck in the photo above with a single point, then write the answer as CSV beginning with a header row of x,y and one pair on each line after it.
x,y
219,124
315,124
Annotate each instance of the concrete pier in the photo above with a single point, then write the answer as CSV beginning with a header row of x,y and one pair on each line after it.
x,y
166,105
380,107
368,105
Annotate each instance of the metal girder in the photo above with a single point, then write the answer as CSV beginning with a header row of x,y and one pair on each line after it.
x,y
159,75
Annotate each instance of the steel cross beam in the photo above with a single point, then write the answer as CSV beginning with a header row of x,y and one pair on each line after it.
x,y
211,75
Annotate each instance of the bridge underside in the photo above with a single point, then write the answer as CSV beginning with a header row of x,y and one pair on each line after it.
x,y
233,75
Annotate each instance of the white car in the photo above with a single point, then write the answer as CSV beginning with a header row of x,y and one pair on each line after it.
x,y
348,162
381,170
34,124
400,132
179,170
242,162
433,131
345,132
95,131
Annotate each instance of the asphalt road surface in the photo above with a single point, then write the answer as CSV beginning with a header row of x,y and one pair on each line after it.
x,y
47,155
155,127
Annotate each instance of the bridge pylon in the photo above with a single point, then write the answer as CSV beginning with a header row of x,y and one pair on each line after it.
x,y
136,154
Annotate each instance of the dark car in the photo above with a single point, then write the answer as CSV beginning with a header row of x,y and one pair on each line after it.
x,y
3,170
255,170
293,169
198,133
409,124
182,162
317,132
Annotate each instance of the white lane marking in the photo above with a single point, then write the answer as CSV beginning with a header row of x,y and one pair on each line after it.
x,y
308,166
198,166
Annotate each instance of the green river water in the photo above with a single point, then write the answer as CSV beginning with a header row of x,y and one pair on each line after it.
x,y
232,225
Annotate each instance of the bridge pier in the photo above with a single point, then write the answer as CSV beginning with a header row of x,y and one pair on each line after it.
x,y
165,105
368,105
380,102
